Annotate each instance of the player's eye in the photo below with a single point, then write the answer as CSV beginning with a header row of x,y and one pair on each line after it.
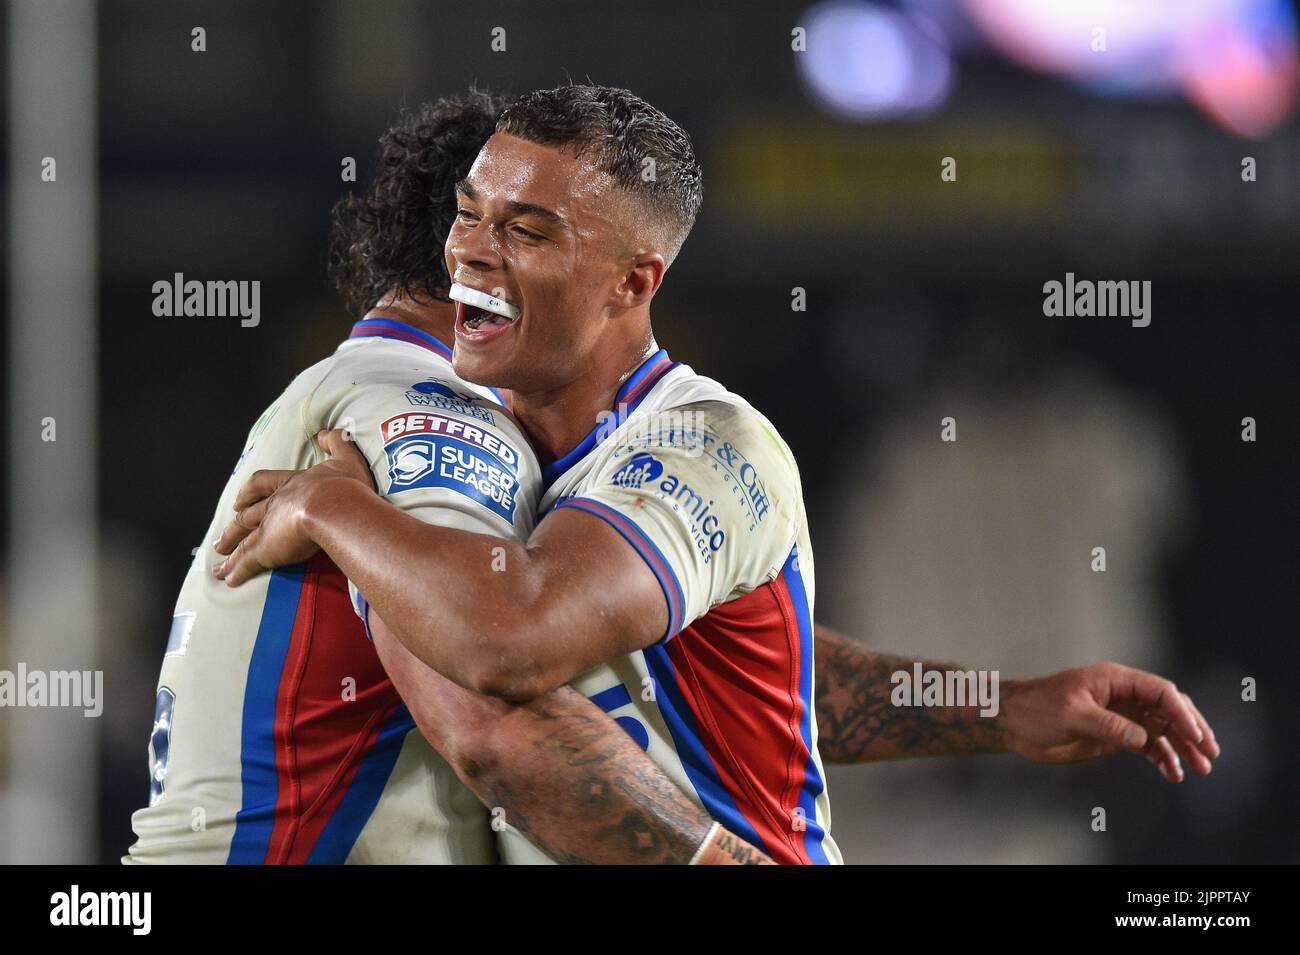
x,y
465,215
524,233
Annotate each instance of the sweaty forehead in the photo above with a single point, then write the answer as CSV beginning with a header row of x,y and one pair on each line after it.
x,y
510,169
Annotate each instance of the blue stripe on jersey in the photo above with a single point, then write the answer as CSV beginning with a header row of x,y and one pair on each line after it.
x,y
813,785
690,748
365,615
359,802
641,383
256,817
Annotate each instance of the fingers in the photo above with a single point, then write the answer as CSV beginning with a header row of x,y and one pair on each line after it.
x,y
1158,695
344,453
1110,727
1208,744
240,565
1172,713
243,524
334,442
260,484
1168,744
1161,754
1195,758
1197,753
1166,726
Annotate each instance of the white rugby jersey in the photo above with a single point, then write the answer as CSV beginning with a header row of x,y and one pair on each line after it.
x,y
277,735
705,490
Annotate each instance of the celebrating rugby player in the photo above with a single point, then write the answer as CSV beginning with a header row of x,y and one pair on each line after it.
x,y
278,737
669,575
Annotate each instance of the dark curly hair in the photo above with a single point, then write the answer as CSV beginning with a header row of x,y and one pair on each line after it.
x,y
391,238
643,150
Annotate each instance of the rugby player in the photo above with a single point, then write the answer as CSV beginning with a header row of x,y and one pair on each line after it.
x,y
278,736
673,544
380,243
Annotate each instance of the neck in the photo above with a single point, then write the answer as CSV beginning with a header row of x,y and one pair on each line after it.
x,y
435,318
558,418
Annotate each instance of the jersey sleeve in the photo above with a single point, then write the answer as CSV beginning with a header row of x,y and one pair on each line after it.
x,y
460,461
708,494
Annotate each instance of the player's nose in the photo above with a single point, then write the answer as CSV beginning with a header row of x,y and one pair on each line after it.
x,y
475,247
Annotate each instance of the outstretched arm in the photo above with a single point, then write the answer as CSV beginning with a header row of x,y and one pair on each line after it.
x,y
857,722
1073,715
567,777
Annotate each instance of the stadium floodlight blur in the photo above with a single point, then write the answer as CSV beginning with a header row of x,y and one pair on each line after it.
x,y
1236,60
868,62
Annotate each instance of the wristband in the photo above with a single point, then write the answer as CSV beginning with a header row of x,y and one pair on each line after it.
x,y
708,841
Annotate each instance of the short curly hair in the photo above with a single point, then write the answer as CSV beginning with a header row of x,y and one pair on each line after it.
x,y
391,238
643,150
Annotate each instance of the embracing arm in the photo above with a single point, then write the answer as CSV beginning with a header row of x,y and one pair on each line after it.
x,y
514,620
566,775
496,616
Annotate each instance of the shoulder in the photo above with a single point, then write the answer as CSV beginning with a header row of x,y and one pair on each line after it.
x,y
719,424
711,454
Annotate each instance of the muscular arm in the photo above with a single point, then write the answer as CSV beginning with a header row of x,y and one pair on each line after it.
x,y
569,779
509,619
857,723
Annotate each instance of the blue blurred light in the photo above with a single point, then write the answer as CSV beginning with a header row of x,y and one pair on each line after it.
x,y
868,62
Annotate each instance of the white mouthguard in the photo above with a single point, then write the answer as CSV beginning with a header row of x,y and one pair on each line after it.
x,y
489,303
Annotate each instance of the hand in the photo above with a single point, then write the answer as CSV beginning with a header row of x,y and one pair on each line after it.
x,y
1102,709
269,529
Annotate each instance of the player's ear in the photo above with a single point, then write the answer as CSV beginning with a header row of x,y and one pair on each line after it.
x,y
641,280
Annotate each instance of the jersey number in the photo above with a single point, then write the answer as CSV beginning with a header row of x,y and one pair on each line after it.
x,y
616,696
160,742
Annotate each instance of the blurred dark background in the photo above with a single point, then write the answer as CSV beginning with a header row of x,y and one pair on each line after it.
x,y
924,300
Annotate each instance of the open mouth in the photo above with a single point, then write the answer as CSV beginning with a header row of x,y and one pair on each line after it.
x,y
479,312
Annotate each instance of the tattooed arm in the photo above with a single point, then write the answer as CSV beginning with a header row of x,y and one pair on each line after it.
x,y
1069,716
568,777
857,723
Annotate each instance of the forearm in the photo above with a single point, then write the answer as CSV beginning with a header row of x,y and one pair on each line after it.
x,y
567,777
455,599
857,722
576,785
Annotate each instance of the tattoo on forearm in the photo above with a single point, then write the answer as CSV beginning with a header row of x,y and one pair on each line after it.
x,y
614,806
856,722
739,850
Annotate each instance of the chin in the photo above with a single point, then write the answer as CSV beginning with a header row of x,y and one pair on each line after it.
x,y
479,369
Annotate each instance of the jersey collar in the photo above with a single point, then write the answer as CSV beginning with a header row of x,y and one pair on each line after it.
x,y
629,398
402,332
391,328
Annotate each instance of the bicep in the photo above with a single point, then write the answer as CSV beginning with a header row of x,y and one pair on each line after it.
x,y
597,592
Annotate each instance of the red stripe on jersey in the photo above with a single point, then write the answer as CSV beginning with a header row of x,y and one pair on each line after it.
x,y
648,382
738,669
321,738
